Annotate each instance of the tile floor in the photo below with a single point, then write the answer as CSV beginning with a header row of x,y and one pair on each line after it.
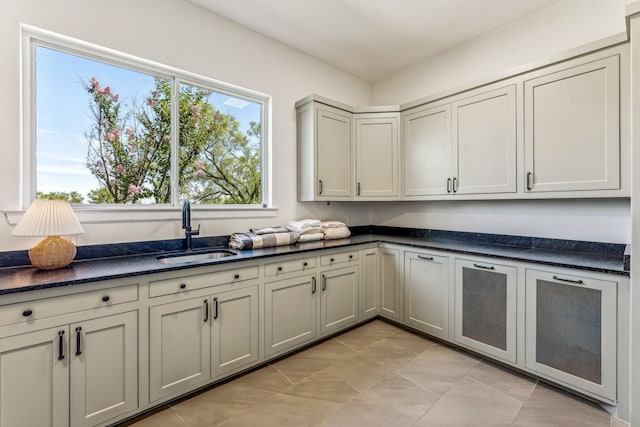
x,y
381,375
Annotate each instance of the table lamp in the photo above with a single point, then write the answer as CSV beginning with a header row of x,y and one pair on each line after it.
x,y
51,218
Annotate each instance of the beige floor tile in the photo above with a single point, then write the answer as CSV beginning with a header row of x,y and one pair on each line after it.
x,y
411,341
394,401
323,386
297,368
267,378
551,407
215,406
379,327
166,418
472,403
360,372
285,411
438,368
332,350
386,349
508,382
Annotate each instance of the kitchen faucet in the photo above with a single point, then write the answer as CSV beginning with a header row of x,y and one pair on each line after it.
x,y
186,224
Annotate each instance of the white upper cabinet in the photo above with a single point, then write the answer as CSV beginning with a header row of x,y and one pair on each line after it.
x,y
427,150
572,128
377,156
484,148
467,146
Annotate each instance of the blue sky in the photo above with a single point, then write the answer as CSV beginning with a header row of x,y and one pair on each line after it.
x,y
63,116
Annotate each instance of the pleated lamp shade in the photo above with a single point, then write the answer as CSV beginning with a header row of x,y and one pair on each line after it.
x,y
52,218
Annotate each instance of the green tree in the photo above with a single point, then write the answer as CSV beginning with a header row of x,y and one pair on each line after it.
x,y
130,153
71,197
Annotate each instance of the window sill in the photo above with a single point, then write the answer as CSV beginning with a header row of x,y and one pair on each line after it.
x,y
130,214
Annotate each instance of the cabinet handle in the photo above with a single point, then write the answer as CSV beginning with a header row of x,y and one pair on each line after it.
x,y
486,267
78,333
183,285
236,276
579,282
60,345
105,298
319,186
279,268
324,282
428,258
455,185
350,256
313,285
358,189
529,175
206,311
331,260
27,313
215,313
448,185
304,264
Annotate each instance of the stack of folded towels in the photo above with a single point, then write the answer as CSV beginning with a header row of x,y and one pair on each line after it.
x,y
309,230
335,230
263,238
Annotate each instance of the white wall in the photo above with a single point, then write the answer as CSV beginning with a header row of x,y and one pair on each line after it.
x,y
179,34
550,32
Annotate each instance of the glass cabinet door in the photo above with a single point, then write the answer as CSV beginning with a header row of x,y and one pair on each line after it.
x,y
571,330
485,309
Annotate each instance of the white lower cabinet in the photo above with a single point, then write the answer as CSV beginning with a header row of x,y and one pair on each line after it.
x,y
485,308
369,283
426,293
338,299
72,375
390,284
192,341
571,330
234,330
290,313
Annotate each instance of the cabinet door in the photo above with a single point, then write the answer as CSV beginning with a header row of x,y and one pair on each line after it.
x,y
290,313
369,284
426,293
339,299
179,347
391,284
377,157
426,142
484,149
234,330
571,331
104,368
485,308
572,122
34,379
334,153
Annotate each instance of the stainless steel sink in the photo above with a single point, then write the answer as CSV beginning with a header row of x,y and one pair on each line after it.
x,y
189,257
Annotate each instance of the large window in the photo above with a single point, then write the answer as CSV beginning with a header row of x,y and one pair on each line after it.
x,y
110,129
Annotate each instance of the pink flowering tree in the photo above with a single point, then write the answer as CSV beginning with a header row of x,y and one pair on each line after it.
x,y
129,152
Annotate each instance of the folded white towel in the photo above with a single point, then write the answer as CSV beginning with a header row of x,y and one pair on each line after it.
x,y
301,224
310,237
333,224
306,230
336,233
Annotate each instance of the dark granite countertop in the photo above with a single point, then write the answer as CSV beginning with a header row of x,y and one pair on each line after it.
x,y
561,253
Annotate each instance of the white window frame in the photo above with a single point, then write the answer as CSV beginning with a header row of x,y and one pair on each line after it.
x,y
31,37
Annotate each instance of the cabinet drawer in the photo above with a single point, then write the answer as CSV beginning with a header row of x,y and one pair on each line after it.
x,y
285,267
40,309
341,258
188,283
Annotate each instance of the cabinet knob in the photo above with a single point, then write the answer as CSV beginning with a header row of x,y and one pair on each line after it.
x,y
350,256
279,268
331,260
27,313
106,298
304,264
183,285
236,276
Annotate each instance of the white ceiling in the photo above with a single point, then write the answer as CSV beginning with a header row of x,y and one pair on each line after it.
x,y
372,38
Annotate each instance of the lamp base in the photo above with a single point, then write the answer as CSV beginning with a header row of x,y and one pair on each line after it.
x,y
53,252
